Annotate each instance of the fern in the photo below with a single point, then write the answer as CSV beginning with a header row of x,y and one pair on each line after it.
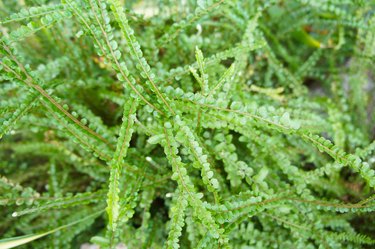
x,y
203,8
136,52
126,130
187,124
180,175
79,199
32,12
177,219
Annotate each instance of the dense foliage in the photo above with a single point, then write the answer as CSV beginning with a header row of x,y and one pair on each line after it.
x,y
191,124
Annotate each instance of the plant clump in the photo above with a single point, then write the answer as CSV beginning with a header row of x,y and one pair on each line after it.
x,y
187,124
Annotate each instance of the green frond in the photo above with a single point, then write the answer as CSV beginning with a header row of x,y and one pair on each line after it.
x,y
203,8
32,12
101,32
183,180
27,103
189,140
126,130
137,53
63,202
352,237
47,21
177,214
